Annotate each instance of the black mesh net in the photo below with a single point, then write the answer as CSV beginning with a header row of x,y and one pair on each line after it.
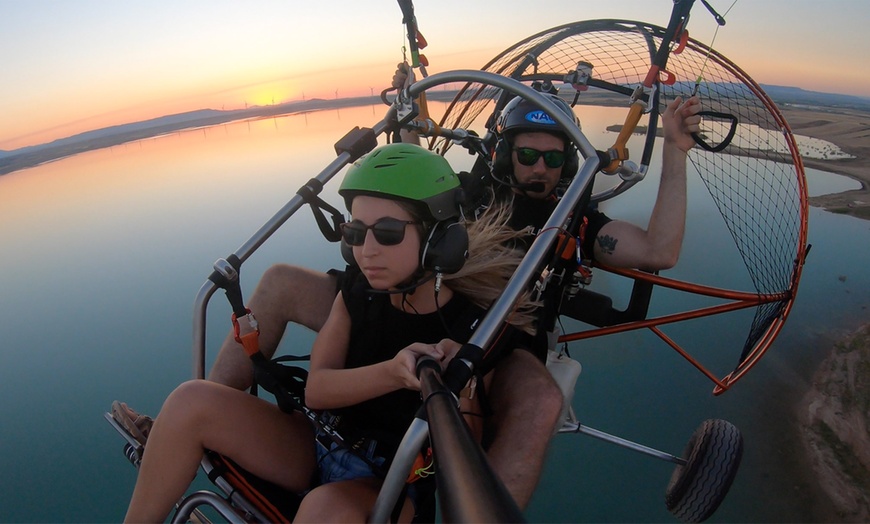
x,y
756,181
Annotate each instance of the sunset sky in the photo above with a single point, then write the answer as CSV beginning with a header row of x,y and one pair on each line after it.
x,y
69,67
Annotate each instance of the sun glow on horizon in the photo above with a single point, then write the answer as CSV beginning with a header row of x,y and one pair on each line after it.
x,y
228,58
268,95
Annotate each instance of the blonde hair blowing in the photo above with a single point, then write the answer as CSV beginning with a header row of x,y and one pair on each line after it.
x,y
491,263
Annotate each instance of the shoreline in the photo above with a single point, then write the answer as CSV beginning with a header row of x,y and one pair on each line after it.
x,y
832,428
833,422
849,130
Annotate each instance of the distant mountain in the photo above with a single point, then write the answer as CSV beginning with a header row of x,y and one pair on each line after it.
x,y
115,135
169,120
97,134
135,127
110,136
796,96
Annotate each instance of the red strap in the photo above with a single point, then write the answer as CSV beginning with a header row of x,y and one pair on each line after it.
x,y
567,246
684,39
250,341
667,78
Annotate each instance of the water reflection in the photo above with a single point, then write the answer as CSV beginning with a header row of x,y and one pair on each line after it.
x,y
103,253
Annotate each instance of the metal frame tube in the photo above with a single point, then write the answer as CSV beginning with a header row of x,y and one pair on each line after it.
x,y
253,243
491,323
485,334
189,506
468,488
412,442
619,441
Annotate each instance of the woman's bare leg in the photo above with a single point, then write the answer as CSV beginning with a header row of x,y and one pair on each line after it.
x,y
201,415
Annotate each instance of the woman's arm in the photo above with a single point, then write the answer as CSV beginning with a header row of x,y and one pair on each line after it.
x,y
331,386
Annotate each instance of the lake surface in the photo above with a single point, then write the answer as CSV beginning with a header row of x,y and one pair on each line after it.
x,y
103,253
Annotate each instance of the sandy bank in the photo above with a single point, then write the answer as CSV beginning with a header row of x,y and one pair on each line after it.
x,y
850,131
835,419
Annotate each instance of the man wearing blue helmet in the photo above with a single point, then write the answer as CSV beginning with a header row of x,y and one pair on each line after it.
x,y
514,163
531,157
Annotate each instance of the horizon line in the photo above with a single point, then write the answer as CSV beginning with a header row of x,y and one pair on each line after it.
x,y
272,107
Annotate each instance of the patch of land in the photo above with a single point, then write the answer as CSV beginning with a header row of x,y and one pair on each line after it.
x,y
849,129
834,420
834,414
846,128
102,138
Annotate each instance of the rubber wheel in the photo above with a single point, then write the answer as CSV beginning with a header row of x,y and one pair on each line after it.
x,y
712,458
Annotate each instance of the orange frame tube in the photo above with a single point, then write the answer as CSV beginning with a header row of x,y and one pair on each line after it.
x,y
738,300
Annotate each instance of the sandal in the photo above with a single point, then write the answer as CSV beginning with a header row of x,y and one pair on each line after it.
x,y
138,426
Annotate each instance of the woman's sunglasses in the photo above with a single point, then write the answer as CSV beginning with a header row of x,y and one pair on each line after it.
x,y
529,157
388,231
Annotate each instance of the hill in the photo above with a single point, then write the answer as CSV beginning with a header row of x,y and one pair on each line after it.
x,y
800,97
786,97
115,135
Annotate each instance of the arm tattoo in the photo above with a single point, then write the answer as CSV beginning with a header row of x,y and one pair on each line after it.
x,y
607,243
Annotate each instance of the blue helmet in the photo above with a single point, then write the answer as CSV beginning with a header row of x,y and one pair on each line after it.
x,y
521,115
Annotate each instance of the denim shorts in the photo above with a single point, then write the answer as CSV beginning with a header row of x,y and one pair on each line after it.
x,y
339,463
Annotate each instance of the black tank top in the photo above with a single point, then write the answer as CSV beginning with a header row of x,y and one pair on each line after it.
x,y
378,332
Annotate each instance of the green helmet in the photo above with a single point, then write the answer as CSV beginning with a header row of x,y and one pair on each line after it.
x,y
405,172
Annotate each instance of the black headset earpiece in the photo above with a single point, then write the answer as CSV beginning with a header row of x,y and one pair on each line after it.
x,y
572,161
502,165
347,253
446,248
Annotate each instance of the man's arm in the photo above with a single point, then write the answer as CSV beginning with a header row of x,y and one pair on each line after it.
x,y
622,244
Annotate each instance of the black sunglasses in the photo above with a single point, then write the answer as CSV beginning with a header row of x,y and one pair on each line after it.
x,y
529,157
388,231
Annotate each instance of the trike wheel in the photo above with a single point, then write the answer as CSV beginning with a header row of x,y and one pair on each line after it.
x,y
712,457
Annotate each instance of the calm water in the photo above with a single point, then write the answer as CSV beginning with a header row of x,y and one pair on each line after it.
x,y
103,253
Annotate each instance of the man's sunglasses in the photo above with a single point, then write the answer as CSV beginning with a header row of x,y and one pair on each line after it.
x,y
529,157
388,231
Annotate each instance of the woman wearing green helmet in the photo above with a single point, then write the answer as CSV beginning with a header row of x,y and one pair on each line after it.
x,y
424,184
363,361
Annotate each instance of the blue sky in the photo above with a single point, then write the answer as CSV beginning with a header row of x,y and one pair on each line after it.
x,y
79,65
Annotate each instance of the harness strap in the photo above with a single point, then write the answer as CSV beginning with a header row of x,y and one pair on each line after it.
x,y
308,192
286,383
